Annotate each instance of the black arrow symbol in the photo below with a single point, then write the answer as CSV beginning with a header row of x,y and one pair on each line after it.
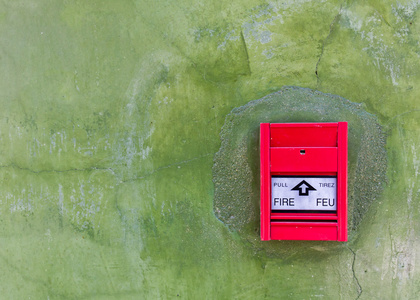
x,y
303,187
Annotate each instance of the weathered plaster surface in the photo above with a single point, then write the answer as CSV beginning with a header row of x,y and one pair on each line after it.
x,y
110,120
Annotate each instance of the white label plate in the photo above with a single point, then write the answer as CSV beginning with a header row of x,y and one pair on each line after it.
x,y
304,193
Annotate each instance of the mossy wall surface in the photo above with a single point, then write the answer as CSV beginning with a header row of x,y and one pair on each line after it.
x,y
110,121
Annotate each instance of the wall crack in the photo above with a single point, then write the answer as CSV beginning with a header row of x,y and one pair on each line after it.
x,y
383,19
166,167
14,166
337,16
246,52
359,287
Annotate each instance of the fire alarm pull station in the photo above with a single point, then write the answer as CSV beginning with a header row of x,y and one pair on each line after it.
x,y
303,181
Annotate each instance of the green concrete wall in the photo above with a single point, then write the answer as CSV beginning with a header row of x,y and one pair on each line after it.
x,y
110,119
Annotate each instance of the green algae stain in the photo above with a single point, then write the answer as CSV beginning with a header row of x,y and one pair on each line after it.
x,y
386,54
236,171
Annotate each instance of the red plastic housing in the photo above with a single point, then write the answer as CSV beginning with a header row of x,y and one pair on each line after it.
x,y
297,150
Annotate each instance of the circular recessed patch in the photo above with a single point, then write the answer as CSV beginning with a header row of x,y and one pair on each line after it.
x,y
236,164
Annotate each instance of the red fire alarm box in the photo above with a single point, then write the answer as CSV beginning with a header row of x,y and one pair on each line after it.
x,y
303,181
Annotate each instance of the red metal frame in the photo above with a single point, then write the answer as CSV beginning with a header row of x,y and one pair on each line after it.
x,y
325,146
265,180
342,182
